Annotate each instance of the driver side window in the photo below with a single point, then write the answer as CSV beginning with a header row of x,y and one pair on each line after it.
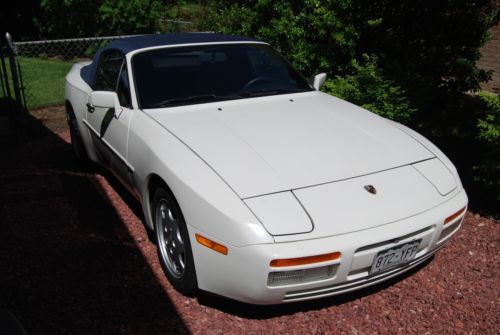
x,y
123,87
112,75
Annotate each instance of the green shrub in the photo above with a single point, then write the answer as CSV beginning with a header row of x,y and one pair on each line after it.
x,y
424,45
489,125
487,171
119,17
86,18
316,36
368,88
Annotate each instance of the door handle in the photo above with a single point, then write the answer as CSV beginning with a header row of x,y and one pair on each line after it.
x,y
90,108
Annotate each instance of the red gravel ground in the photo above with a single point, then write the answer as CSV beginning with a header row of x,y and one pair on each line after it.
x,y
75,259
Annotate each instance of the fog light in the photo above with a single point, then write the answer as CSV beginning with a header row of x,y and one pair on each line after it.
x,y
283,278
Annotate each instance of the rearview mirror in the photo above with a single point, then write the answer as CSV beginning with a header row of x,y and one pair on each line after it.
x,y
319,80
104,99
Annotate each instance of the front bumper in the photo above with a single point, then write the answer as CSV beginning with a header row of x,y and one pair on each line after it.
x,y
244,273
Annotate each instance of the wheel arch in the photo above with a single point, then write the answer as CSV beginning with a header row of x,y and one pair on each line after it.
x,y
206,201
153,182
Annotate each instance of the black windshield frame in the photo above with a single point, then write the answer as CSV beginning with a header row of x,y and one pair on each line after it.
x,y
293,81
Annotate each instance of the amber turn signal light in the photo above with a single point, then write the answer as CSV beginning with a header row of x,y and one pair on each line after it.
x,y
305,260
454,216
211,244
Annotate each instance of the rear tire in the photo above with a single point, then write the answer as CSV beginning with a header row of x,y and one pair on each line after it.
x,y
76,139
172,241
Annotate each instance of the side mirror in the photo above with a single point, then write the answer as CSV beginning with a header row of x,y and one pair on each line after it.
x,y
319,80
104,99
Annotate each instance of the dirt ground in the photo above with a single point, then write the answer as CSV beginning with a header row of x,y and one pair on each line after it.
x,y
75,259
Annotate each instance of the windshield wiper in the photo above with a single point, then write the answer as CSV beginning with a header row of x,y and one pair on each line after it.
x,y
174,101
194,98
273,91
213,97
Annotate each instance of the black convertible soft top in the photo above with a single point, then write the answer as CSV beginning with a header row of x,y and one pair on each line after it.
x,y
126,45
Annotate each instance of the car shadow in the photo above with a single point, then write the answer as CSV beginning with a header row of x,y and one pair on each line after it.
x,y
258,312
68,264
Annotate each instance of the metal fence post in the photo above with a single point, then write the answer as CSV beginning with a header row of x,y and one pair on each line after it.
x,y
14,70
4,93
5,78
21,82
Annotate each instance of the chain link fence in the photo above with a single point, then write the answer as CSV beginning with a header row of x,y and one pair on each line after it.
x,y
44,64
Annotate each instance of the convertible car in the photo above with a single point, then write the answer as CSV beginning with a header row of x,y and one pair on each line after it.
x,y
255,185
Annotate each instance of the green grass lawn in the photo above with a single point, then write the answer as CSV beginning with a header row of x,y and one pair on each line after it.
x,y
43,81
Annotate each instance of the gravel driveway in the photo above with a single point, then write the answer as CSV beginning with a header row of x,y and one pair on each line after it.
x,y
75,259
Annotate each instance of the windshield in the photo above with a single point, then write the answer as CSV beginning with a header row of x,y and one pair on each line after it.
x,y
189,75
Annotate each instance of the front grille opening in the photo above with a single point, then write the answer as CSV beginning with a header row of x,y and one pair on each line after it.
x,y
294,277
448,231
353,284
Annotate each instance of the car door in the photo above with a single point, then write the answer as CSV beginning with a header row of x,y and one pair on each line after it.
x,y
109,126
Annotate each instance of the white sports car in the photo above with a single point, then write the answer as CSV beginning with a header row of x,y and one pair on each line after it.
x,y
256,185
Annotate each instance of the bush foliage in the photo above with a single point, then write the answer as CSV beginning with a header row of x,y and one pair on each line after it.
x,y
425,46
321,36
317,36
489,125
487,170
86,18
367,87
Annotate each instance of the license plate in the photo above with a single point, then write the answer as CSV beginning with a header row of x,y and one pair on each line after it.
x,y
394,256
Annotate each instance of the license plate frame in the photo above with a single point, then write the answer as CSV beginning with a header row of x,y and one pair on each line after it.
x,y
394,256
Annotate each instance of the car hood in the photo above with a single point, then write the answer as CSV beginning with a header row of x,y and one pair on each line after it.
x,y
285,142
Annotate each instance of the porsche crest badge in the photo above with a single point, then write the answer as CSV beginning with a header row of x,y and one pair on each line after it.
x,y
371,189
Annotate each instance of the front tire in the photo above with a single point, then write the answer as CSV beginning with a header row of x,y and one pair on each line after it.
x,y
172,241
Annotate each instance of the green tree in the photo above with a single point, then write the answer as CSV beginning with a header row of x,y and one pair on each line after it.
x,y
83,18
119,17
68,18
315,35
429,48
322,36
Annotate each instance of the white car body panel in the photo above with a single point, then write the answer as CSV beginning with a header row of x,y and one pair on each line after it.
x,y
249,266
77,93
279,177
437,174
207,203
109,132
345,207
280,213
278,143
432,148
